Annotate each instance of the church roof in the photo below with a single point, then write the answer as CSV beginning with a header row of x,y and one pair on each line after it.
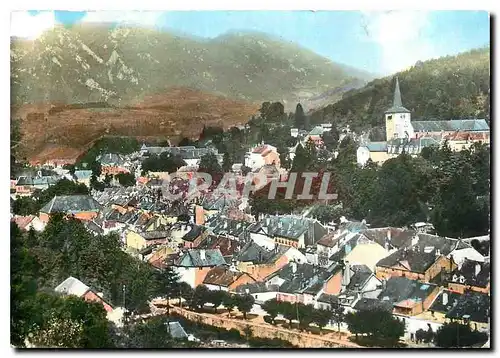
x,y
397,105
451,125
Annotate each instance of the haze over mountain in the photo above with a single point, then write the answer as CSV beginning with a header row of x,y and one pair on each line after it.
x,y
95,63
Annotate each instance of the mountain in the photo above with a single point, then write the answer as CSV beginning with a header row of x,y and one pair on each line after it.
x,y
98,63
451,87
64,131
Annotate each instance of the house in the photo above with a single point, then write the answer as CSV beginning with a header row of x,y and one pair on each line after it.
x,y
457,249
73,286
260,261
194,264
82,207
224,278
26,223
356,248
138,240
112,164
177,331
194,237
83,176
93,227
408,297
414,263
261,155
472,275
292,281
258,290
358,281
228,247
315,135
287,230
474,307
221,225
24,186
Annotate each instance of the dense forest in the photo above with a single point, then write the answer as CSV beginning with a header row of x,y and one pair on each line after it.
x,y
452,87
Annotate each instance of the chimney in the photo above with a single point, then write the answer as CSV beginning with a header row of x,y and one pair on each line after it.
x,y
445,298
100,294
202,254
346,277
389,235
477,269
384,284
294,267
438,252
414,240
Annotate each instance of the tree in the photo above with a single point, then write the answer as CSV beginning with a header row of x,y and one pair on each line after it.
x,y
272,307
186,142
15,140
209,164
300,117
96,168
321,317
337,315
126,179
25,205
456,334
165,162
229,302
289,311
245,304
216,298
154,333
167,284
330,138
69,322
272,112
227,163
326,213
301,161
200,297
378,324
306,314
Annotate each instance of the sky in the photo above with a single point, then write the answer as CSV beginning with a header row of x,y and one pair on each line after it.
x,y
381,42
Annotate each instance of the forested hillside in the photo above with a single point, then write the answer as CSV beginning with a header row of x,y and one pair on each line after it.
x,y
451,87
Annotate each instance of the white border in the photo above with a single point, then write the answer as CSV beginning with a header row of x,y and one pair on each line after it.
x,y
198,5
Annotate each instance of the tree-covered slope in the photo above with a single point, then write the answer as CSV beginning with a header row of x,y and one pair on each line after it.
x,y
450,87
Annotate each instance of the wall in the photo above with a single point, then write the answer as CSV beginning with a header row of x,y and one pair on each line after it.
x,y
435,269
460,288
334,284
379,157
367,254
300,339
134,240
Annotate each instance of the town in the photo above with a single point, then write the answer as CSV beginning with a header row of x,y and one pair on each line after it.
x,y
383,264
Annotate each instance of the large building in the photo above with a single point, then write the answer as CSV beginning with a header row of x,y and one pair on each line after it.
x,y
403,134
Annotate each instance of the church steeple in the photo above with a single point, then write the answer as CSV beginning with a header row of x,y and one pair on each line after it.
x,y
397,104
397,96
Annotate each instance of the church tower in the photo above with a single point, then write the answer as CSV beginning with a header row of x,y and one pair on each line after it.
x,y
398,118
